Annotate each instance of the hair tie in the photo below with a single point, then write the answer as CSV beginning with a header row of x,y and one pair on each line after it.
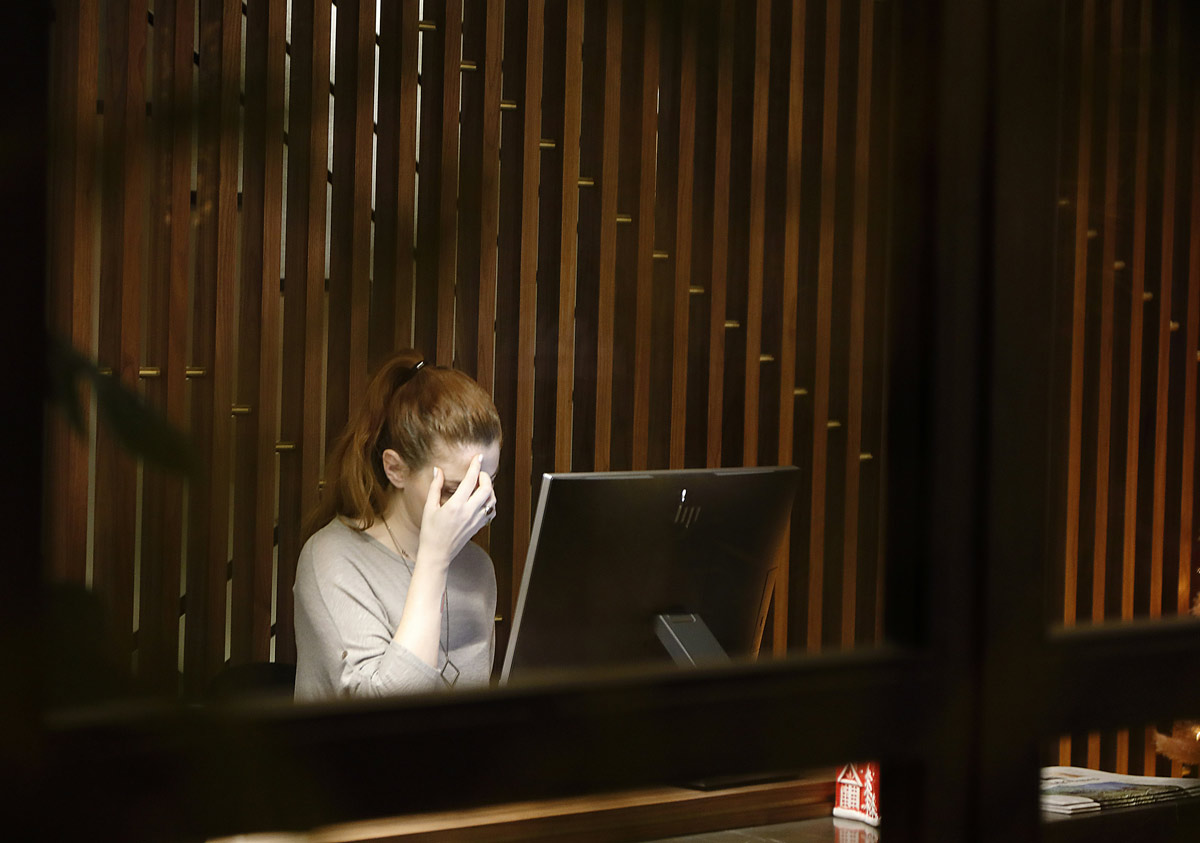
x,y
416,367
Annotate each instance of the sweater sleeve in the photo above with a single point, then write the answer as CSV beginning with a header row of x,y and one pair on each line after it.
x,y
352,651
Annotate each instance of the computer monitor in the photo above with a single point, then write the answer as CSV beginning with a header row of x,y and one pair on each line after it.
x,y
638,567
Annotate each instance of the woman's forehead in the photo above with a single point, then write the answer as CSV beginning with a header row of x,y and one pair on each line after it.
x,y
454,460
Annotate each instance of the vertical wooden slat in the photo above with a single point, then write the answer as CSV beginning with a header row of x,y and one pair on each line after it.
x,y
549,240
527,316
447,243
1078,327
258,358
470,194
1165,285
212,339
429,175
489,227
858,306
350,223
1136,308
122,223
757,224
720,234
790,286
568,250
396,181
645,238
76,133
1105,377
1163,386
1079,309
823,328
304,297
1191,358
166,339
608,233
683,234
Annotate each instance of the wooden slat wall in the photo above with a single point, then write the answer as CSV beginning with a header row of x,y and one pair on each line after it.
x,y
1129,198
656,232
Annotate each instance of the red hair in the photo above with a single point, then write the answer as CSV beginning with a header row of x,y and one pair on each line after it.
x,y
412,408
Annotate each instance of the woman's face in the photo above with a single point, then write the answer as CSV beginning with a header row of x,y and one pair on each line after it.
x,y
454,461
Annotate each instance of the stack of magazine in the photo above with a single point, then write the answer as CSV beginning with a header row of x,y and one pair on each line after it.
x,y
1076,790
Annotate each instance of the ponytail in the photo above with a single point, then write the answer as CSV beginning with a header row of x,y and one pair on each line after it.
x,y
413,409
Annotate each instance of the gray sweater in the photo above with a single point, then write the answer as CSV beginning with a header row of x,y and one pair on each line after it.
x,y
350,591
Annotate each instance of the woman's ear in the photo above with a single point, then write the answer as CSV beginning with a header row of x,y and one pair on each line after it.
x,y
395,468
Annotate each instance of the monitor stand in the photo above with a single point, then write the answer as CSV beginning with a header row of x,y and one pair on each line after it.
x,y
691,643
688,640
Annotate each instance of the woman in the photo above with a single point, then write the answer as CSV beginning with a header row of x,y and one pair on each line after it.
x,y
391,595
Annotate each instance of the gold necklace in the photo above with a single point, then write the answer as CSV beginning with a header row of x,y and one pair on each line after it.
x,y
449,671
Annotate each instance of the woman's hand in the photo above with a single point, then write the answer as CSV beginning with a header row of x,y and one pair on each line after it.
x,y
447,527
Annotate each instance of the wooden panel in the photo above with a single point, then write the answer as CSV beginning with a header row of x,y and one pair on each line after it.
x,y
1105,409
350,222
858,307
470,194
1166,273
1136,299
644,221
683,234
429,176
304,298
548,238
758,187
489,226
790,287
447,243
822,329
527,312
1191,358
609,182
212,340
119,347
1165,295
568,249
75,137
395,181
720,234
167,293
258,327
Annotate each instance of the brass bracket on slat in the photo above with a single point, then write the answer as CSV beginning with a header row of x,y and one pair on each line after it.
x,y
695,290
195,372
149,372
320,485
1092,234
1062,203
467,65
508,105
426,26
1174,325
624,217
865,457
798,391
833,423
105,370
1118,264
499,619
586,181
240,410
284,446
732,323
1147,296
660,255
766,358
545,143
